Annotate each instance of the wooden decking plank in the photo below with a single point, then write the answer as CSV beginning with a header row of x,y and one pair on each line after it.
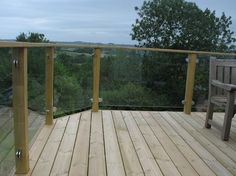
x,y
38,145
226,161
130,143
5,115
197,118
79,163
3,109
222,115
164,161
62,162
175,154
113,155
34,128
129,155
231,142
198,148
196,162
97,163
7,127
46,159
209,135
146,158
7,144
219,121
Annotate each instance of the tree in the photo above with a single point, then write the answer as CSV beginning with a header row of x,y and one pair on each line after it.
x,y
32,37
179,24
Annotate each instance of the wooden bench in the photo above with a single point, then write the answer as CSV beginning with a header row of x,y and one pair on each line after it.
x,y
222,88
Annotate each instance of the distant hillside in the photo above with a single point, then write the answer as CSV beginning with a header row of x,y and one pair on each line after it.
x,y
92,43
79,43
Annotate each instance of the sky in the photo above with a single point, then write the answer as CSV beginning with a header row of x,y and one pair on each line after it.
x,y
103,21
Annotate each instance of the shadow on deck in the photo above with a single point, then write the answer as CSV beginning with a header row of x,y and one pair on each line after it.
x,y
133,143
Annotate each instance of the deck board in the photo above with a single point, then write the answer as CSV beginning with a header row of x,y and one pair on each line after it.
x,y
79,163
163,160
97,165
130,158
150,166
133,143
62,162
47,157
197,146
113,157
7,158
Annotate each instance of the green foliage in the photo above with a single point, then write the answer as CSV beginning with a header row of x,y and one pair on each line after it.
x,y
128,94
36,94
5,76
180,24
5,68
32,37
72,81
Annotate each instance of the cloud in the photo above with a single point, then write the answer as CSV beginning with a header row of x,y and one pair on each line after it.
x,y
71,20
60,19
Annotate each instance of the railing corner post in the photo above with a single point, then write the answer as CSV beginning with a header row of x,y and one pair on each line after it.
x,y
96,79
192,59
20,109
49,69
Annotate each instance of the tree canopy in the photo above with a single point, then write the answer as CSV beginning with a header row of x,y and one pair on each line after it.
x,y
32,37
180,24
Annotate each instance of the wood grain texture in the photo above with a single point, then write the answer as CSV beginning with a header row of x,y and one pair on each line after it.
x,y
130,158
164,161
49,68
47,157
177,157
197,146
114,161
97,161
132,143
79,163
150,167
192,58
96,79
20,108
7,44
63,158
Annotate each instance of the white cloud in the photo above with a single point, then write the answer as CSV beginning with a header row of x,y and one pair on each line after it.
x,y
73,20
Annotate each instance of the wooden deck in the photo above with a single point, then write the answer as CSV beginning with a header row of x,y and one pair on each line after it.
x,y
118,143
7,158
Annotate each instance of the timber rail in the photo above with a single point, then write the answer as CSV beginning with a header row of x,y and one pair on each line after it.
x,y
20,95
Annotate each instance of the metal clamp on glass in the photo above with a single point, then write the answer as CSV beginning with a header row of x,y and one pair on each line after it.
x,y
18,153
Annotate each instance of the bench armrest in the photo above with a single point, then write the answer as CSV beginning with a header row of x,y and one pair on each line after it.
x,y
227,87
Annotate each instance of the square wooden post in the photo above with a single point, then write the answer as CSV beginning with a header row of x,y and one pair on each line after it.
x,y
20,109
96,79
49,85
192,58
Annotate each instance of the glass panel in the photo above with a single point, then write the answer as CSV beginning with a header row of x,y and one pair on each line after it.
x,y
36,90
142,80
73,80
7,160
200,92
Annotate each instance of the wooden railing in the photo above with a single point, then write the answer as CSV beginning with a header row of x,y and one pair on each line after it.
x,y
20,104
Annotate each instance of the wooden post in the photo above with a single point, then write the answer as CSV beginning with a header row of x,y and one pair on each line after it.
x,y
192,58
49,85
20,109
96,79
